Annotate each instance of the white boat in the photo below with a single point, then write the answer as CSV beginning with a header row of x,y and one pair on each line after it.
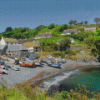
x,y
14,68
4,71
2,66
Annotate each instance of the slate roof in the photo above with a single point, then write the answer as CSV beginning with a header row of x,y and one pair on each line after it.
x,y
44,34
90,28
20,41
2,47
10,40
31,44
16,47
70,30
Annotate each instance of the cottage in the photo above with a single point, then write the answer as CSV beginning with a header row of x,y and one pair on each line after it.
x,y
17,51
78,23
8,41
90,29
44,35
71,40
69,31
32,47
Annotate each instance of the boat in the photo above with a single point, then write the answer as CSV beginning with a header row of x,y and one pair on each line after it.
x,y
2,71
56,65
26,64
15,68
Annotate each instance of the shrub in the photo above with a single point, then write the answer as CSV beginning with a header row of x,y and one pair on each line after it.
x,y
71,52
56,54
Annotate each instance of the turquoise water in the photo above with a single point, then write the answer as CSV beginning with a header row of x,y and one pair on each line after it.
x,y
89,77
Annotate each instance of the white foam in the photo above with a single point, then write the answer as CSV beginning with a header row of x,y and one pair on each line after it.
x,y
57,79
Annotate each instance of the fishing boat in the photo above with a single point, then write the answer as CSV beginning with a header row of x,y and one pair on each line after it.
x,y
15,68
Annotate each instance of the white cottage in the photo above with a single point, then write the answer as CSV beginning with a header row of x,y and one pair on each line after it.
x,y
69,31
8,41
90,29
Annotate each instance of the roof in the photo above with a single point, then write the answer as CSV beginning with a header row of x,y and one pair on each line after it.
x,y
70,30
20,41
90,28
16,47
44,34
2,47
31,44
10,40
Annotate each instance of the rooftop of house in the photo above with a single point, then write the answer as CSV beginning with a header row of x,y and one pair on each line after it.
x,y
20,41
90,28
10,40
16,47
44,34
70,30
31,44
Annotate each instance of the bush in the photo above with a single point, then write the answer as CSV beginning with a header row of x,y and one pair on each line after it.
x,y
56,54
71,52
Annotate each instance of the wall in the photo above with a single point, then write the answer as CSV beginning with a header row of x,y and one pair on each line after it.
x,y
3,42
81,47
3,52
23,53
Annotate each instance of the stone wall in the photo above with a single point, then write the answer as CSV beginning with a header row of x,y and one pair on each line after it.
x,y
80,47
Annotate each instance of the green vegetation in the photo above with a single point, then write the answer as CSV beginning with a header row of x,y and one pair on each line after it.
x,y
58,53
89,38
26,92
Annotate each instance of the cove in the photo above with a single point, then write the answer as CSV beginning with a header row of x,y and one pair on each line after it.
x,y
90,77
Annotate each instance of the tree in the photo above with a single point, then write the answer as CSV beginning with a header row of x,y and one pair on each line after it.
x,y
64,44
97,20
71,22
40,27
51,26
86,22
74,22
8,29
65,26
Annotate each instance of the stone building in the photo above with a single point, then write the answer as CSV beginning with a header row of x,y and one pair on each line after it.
x,y
17,51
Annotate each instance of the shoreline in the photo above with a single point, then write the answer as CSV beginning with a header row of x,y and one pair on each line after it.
x,y
44,75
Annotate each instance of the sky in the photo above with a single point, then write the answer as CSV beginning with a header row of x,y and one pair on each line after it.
x,y
32,13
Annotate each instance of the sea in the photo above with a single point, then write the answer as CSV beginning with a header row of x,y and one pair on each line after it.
x,y
70,79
